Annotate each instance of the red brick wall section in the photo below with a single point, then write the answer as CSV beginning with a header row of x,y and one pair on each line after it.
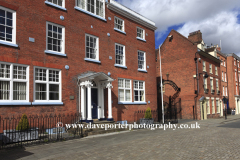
x,y
178,60
31,22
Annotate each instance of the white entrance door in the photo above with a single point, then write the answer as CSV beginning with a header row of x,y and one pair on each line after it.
x,y
221,109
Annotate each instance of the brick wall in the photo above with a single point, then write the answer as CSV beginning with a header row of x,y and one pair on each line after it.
x,y
31,22
178,61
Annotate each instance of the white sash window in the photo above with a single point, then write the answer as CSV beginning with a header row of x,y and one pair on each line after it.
x,y
14,82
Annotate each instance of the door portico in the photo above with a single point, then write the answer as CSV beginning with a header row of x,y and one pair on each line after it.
x,y
94,82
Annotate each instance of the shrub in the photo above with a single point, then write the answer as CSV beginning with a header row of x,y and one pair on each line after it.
x,y
23,123
148,113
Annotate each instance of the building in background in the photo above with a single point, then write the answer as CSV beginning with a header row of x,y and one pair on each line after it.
x,y
89,57
194,68
233,79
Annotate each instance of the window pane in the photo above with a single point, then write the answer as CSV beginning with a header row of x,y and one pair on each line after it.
x,y
9,15
19,90
4,71
140,85
9,22
4,90
127,83
53,92
128,95
19,72
120,83
40,74
136,95
2,20
121,95
135,84
2,13
41,91
141,96
53,76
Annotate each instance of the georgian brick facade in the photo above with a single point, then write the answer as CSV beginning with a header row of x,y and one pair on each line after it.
x,y
31,19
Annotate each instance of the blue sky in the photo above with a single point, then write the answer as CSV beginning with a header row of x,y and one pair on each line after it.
x,y
160,39
216,19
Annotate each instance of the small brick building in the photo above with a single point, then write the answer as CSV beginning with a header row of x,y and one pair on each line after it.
x,y
90,57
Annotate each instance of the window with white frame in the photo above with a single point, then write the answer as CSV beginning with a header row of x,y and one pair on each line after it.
x,y
210,68
139,91
224,64
14,82
141,60
140,33
217,105
213,107
225,77
96,7
47,85
208,106
211,83
235,75
234,61
119,23
205,83
124,90
226,91
216,70
55,37
217,86
7,25
204,66
120,54
223,92
92,49
236,89
58,2
222,76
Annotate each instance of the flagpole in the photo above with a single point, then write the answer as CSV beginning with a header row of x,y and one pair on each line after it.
x,y
161,83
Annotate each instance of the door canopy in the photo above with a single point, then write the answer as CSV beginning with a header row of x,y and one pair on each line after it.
x,y
98,77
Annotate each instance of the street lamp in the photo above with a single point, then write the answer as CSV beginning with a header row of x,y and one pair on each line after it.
x,y
225,102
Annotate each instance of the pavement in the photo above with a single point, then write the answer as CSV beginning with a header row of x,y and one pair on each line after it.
x,y
215,139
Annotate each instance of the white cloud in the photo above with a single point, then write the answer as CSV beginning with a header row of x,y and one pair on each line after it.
x,y
195,15
222,26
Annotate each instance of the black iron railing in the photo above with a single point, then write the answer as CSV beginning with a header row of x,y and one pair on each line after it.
x,y
40,129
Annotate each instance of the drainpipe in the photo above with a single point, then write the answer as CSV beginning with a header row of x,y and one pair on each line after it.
x,y
79,103
227,91
197,75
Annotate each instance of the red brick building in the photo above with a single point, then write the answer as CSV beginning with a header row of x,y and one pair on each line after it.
x,y
196,70
233,78
89,57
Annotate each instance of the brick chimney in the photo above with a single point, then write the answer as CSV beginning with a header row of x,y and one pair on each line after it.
x,y
195,37
218,48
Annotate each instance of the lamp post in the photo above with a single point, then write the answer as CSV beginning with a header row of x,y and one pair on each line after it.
x,y
225,102
161,83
